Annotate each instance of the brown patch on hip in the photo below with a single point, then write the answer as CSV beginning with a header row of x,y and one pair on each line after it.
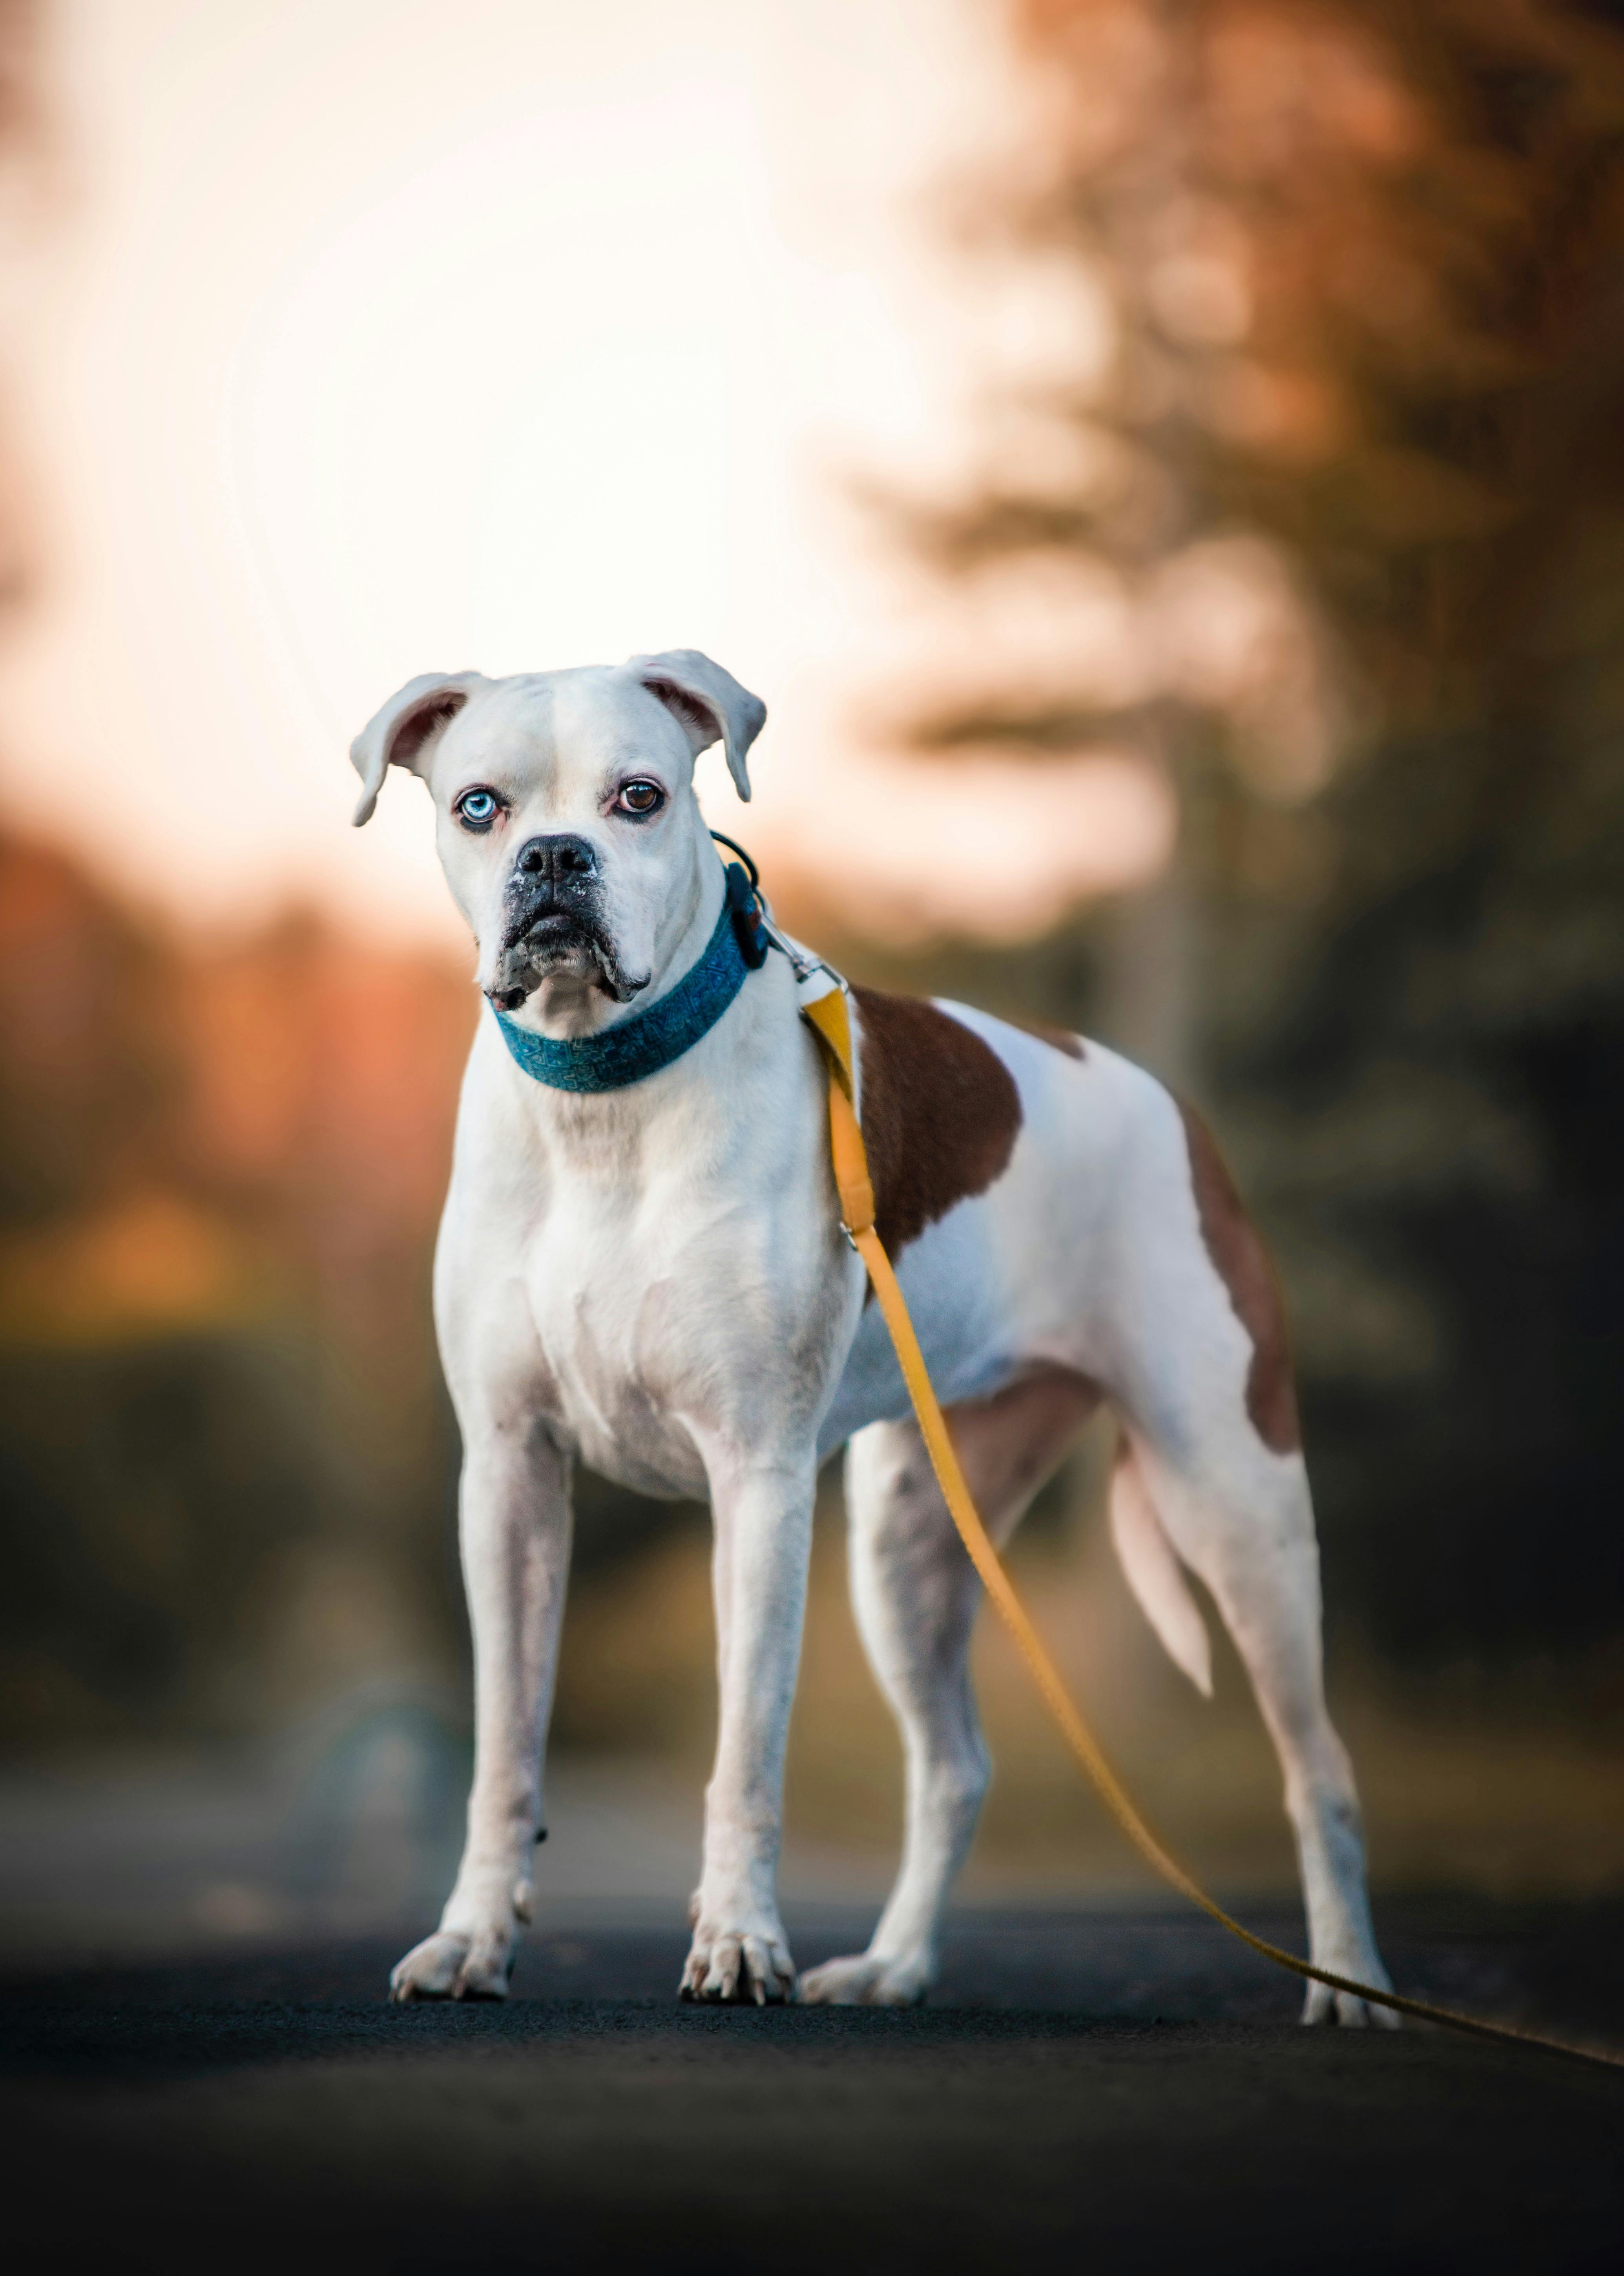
x,y
940,1113
1242,1262
1059,1039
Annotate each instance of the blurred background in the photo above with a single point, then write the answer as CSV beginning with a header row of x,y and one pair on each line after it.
x,y
1162,461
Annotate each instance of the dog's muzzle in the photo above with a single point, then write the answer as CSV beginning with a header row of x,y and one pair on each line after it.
x,y
553,916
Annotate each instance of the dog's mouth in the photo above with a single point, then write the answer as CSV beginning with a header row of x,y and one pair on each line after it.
x,y
537,944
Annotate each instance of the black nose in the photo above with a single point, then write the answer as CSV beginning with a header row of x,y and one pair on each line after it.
x,y
563,858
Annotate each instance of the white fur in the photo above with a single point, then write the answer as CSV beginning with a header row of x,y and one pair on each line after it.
x,y
654,1279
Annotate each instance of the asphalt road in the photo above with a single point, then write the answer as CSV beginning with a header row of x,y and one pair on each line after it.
x,y
1100,2092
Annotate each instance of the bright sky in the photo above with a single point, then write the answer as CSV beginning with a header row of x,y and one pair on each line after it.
x,y
383,335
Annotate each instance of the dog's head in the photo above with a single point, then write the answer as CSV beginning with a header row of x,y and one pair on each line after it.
x,y
568,828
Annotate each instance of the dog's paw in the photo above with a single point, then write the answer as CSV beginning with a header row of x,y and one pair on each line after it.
x,y
451,1965
1322,2005
866,1980
738,1967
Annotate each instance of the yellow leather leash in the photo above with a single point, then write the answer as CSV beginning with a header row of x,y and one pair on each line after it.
x,y
829,1020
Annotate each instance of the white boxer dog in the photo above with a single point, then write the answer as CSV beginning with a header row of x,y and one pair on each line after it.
x,y
641,1264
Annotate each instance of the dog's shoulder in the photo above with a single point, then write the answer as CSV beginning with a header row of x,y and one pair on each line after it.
x,y
940,1111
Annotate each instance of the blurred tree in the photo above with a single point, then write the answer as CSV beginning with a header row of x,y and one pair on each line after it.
x,y
1342,435
225,1455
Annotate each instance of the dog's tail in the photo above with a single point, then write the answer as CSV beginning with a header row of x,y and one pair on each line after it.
x,y
1154,1572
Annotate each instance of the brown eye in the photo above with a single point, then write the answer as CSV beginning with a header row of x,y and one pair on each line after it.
x,y
641,798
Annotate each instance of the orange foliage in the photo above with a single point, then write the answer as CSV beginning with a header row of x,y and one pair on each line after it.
x,y
267,1121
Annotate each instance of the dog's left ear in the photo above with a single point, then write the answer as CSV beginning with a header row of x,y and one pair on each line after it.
x,y
706,702
399,735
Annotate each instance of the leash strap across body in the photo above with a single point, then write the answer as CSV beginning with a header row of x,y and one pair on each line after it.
x,y
830,1020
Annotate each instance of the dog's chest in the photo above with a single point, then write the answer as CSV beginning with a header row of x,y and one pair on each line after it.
x,y
624,1295
671,1246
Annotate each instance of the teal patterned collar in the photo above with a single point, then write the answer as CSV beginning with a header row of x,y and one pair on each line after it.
x,y
634,1049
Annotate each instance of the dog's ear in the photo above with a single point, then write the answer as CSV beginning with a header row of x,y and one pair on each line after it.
x,y
399,735
706,702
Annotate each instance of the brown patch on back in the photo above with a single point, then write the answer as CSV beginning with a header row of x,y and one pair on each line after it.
x,y
940,1113
1242,1261
1059,1039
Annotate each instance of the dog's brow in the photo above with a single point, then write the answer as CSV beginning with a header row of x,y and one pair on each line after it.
x,y
627,759
494,774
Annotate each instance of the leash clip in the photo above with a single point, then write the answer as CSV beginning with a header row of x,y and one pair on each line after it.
x,y
802,965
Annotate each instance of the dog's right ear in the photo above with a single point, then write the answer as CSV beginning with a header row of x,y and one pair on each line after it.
x,y
400,734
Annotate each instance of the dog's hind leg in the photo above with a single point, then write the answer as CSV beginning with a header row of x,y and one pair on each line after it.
x,y
1214,1479
916,1596
1240,1516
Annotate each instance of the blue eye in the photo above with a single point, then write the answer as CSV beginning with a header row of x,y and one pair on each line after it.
x,y
477,809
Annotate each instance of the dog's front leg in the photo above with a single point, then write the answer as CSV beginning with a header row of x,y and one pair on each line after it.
x,y
763,1533
514,1518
